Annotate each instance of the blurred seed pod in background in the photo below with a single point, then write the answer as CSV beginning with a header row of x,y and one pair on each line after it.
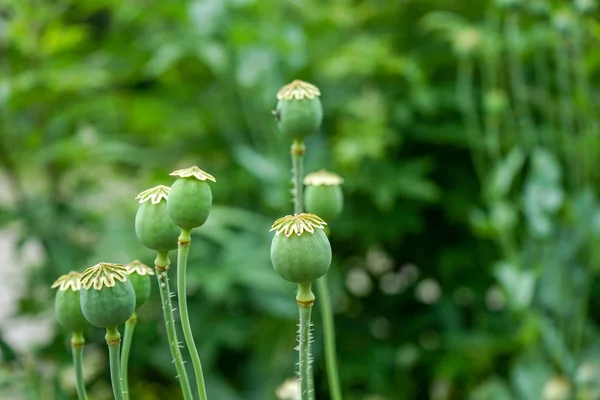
x,y
139,276
323,194
67,303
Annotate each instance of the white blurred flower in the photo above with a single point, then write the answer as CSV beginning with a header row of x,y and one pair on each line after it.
x,y
557,388
428,291
359,282
288,390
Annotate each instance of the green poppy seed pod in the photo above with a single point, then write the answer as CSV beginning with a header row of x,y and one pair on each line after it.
x,y
67,303
139,276
323,194
299,112
190,198
153,227
300,250
107,296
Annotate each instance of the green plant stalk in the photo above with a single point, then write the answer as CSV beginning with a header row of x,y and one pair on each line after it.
x,y
517,80
161,265
588,123
566,112
335,391
489,83
298,149
127,338
305,299
546,106
113,340
468,110
183,248
77,343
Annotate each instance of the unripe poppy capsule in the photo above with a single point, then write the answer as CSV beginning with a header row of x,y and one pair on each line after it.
x,y
107,296
323,194
67,302
300,250
139,276
153,227
299,112
190,198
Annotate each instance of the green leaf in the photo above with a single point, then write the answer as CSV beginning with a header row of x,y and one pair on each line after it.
x,y
504,174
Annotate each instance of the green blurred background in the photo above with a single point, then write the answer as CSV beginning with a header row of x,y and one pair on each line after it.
x,y
465,261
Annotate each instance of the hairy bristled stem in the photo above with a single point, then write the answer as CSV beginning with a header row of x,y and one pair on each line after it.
x,y
127,338
113,340
298,149
305,299
77,343
162,265
182,254
335,391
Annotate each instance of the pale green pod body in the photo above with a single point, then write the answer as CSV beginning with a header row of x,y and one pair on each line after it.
x,y
189,203
139,276
141,287
68,311
107,296
300,250
109,306
325,201
301,259
67,304
299,118
154,228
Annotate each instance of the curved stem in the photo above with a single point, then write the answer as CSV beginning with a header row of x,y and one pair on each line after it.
x,y
127,338
161,266
113,340
297,151
77,343
335,391
305,299
182,254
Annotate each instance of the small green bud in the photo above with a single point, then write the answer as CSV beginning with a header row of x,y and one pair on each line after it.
x,y
299,112
300,250
323,195
190,198
153,226
107,296
67,303
139,276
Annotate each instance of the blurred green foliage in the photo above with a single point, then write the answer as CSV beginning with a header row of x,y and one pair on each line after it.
x,y
465,259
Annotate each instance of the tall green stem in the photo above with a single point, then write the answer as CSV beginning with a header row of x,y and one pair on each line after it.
x,y
182,254
127,338
77,343
113,340
162,265
297,151
517,80
588,123
305,299
468,110
335,391
566,109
